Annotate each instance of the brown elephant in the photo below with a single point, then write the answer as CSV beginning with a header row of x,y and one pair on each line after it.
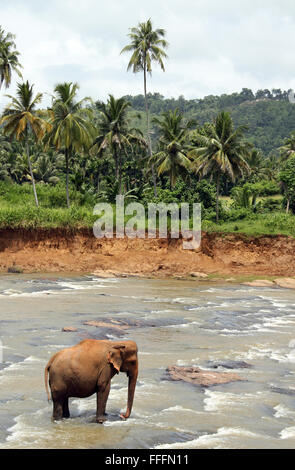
x,y
87,368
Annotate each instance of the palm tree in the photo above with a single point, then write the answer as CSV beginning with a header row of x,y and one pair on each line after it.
x,y
257,165
71,129
288,149
114,133
172,156
8,58
221,150
245,196
272,165
45,168
20,120
147,46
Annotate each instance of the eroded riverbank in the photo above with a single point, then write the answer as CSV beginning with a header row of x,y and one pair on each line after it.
x,y
227,255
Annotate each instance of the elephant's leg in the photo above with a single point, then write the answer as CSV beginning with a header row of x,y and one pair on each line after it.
x,y
65,408
57,409
101,400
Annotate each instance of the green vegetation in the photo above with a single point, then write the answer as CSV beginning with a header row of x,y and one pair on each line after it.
x,y
268,114
233,154
18,209
147,46
20,118
8,58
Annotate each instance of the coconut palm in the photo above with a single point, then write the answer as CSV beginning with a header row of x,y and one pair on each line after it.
x,y
21,120
71,129
8,58
288,149
147,46
245,196
45,167
272,166
257,165
5,152
172,157
221,150
114,133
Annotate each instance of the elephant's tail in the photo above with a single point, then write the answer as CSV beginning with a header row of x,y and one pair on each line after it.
x,y
46,376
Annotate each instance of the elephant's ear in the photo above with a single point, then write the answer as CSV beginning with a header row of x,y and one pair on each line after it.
x,y
115,357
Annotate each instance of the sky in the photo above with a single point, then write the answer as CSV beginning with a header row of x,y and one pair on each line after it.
x,y
215,46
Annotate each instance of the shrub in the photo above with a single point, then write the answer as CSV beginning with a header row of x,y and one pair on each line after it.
x,y
238,214
205,193
265,188
271,205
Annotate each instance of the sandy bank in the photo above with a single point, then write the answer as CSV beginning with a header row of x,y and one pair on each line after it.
x,y
62,251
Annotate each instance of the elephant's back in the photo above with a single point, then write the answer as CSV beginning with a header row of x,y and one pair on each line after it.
x,y
74,372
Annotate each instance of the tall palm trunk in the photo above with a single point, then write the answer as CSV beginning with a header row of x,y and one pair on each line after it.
x,y
31,173
120,171
116,163
67,155
288,206
217,197
148,130
98,182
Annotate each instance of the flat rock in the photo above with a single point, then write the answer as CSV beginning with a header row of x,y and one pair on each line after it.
x,y
104,274
230,365
259,283
283,391
199,377
287,282
199,275
116,325
69,329
120,327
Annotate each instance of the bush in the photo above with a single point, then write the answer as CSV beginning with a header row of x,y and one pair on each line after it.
x,y
265,188
202,192
238,214
163,195
271,205
208,214
205,193
285,223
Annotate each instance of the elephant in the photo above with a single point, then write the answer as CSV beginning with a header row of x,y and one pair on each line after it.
x,y
87,368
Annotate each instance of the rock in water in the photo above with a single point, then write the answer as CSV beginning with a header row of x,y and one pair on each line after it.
x,y
199,275
14,269
230,365
287,283
259,283
108,324
203,378
283,391
104,274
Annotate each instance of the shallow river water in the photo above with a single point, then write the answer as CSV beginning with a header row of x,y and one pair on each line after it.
x,y
183,323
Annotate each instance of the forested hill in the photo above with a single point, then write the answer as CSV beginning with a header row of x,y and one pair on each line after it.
x,y
268,115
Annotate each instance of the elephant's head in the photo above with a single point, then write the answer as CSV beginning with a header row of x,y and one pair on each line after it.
x,y
123,357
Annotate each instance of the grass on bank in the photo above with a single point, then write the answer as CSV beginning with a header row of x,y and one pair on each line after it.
x,y
276,223
18,211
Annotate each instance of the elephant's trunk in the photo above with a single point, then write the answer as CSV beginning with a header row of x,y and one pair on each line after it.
x,y
131,391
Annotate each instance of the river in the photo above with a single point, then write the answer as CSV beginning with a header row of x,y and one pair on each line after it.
x,y
182,323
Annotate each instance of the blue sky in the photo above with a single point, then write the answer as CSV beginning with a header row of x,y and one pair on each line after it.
x,y
214,46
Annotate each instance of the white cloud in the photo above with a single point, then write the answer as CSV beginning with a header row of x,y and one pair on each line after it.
x,y
215,47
